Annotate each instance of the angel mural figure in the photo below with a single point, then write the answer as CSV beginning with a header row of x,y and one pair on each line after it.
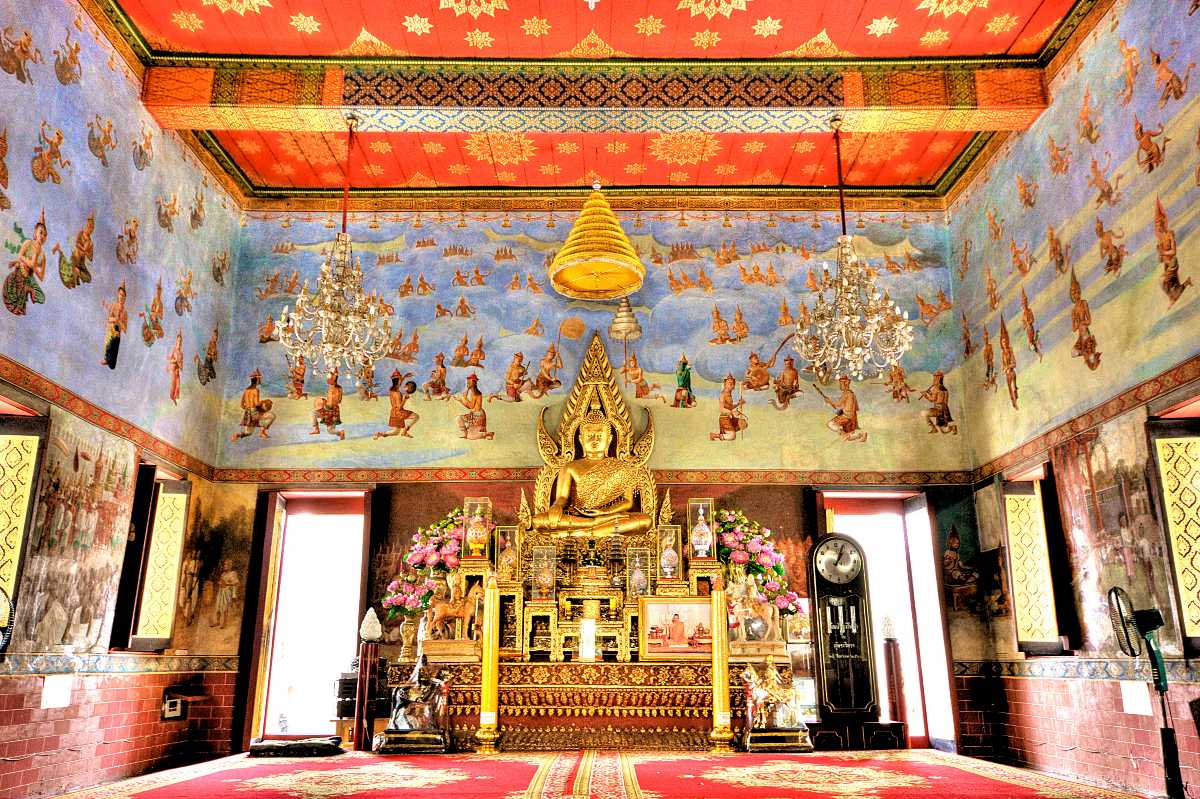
x,y
1081,320
74,270
897,383
127,243
184,294
684,398
532,285
327,410
472,425
1111,249
441,312
1022,258
1089,130
964,263
720,328
516,380
1166,79
1031,331
167,210
1060,157
938,415
989,361
1008,362
365,380
993,296
515,283
406,288
785,315
1168,255
758,376
66,61
547,376
5,203
459,279
635,374
968,345
1056,251
536,328
116,322
731,420
256,411
424,288
196,218
22,285
47,155
995,225
17,53
477,354
435,387
297,373
143,148
175,366
1027,192
101,138
267,331
1131,64
464,309
845,418
1150,153
461,352
786,385
400,418
206,369
152,329
408,351
1106,192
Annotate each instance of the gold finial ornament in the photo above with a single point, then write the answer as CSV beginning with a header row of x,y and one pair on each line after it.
x,y
595,483
597,262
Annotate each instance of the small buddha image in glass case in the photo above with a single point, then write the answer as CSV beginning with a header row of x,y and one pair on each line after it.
x,y
637,572
543,569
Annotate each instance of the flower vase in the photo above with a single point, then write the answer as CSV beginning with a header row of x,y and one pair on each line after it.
x,y
408,639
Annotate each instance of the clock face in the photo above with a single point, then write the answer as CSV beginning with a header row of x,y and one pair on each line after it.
x,y
838,561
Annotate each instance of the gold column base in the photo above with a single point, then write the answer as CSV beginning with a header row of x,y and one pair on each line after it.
x,y
721,739
487,737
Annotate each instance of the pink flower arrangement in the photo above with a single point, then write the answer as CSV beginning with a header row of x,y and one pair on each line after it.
x,y
746,543
438,547
409,594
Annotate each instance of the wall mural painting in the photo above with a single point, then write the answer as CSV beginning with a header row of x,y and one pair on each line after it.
x,y
212,582
974,572
481,344
1114,535
77,543
1077,256
82,171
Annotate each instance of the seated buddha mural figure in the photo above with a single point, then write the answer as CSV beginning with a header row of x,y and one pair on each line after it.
x,y
595,483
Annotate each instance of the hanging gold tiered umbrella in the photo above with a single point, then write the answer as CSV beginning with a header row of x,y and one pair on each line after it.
x,y
597,262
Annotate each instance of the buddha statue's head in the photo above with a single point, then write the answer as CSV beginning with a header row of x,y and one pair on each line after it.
x,y
595,432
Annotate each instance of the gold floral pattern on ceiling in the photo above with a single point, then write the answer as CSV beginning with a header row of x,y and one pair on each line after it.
x,y
500,148
684,148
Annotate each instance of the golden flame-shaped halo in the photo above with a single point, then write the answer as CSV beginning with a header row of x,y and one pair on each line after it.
x,y
597,262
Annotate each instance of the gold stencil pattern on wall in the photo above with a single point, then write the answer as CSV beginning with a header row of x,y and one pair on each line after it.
x,y
17,456
157,615
1179,465
1033,600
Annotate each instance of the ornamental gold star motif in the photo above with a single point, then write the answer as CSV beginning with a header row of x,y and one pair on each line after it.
x,y
459,169
474,7
617,147
803,146
382,147
550,169
754,147
950,7
635,169
417,25
305,24
481,39
506,176
679,177
433,147
187,20
710,8
239,7
684,148
536,27
374,170
649,26
501,148
1002,23
567,147
706,39
725,169
882,26
767,26
935,38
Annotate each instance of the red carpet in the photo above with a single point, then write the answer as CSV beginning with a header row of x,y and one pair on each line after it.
x,y
601,775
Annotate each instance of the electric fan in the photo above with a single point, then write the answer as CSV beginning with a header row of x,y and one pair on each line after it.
x,y
6,611
1132,627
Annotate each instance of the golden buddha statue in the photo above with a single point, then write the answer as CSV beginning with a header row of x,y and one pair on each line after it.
x,y
595,483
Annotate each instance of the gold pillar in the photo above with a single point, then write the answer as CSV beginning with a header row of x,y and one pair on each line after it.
x,y
721,733
489,690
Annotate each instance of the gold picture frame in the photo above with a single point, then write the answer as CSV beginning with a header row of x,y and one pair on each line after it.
x,y
674,628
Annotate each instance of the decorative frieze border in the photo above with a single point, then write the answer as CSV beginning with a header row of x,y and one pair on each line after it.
x,y
19,664
1072,668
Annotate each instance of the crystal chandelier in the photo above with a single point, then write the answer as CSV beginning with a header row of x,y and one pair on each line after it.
x,y
338,324
853,329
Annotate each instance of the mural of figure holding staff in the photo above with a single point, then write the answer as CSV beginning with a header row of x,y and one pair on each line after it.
x,y
297,372
1166,79
74,270
1150,153
731,419
47,155
547,376
516,380
845,418
1008,361
1081,320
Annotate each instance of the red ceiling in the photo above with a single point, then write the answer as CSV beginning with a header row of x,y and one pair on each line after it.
x,y
429,160
638,28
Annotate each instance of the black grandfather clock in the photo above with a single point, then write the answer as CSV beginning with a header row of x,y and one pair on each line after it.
x,y
846,686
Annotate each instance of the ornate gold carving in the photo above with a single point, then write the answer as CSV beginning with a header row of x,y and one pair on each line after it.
x,y
1179,466
156,614
1033,597
17,456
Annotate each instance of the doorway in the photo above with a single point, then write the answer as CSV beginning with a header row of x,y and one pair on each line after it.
x,y
906,606
317,569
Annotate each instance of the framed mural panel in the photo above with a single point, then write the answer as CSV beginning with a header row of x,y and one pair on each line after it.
x,y
674,628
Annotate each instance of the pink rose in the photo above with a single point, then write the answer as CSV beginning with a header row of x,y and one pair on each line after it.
x,y
431,559
781,602
754,545
393,586
771,586
740,557
451,561
764,559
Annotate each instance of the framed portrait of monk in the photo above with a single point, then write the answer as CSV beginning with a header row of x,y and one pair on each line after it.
x,y
674,628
